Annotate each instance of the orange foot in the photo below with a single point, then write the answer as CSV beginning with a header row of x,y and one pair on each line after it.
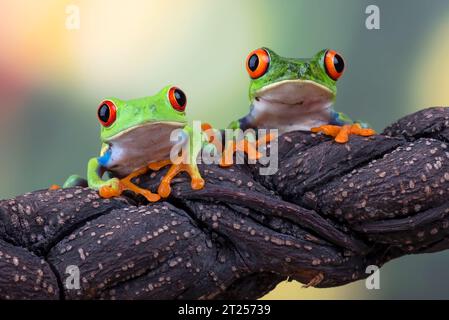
x,y
250,148
342,133
54,187
197,182
126,184
110,191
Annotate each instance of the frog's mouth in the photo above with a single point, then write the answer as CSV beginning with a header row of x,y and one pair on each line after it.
x,y
296,93
291,105
150,130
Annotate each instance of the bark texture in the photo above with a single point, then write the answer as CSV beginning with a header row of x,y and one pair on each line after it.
x,y
330,211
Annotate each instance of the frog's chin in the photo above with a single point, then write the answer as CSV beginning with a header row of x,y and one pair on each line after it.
x,y
136,147
291,105
144,130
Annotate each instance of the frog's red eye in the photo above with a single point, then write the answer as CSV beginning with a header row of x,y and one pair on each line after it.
x,y
107,113
177,98
257,63
334,64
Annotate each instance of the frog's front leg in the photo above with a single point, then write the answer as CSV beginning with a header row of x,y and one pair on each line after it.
x,y
341,127
187,162
114,187
342,133
197,182
245,145
107,189
126,184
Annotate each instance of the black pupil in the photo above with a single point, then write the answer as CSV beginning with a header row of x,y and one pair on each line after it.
x,y
180,97
253,62
339,64
103,113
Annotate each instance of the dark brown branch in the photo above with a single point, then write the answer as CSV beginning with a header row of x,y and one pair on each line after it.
x,y
331,209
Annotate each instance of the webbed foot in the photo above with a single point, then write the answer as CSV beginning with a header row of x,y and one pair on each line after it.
x,y
246,146
342,133
115,187
197,181
126,184
111,188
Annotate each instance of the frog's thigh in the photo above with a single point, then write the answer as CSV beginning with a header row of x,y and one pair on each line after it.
x,y
75,181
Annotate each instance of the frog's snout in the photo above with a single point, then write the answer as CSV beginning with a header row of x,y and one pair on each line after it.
x,y
150,109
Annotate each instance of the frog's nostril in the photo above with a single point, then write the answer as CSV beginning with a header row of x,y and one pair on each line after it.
x,y
151,108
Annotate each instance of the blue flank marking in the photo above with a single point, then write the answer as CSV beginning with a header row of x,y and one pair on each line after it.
x,y
335,119
104,159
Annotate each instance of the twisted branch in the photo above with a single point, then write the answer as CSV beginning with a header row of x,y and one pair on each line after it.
x,y
330,211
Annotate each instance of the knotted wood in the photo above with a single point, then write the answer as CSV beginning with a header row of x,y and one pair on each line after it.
x,y
329,212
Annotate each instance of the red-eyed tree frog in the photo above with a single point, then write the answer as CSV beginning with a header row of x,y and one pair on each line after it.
x,y
291,94
135,136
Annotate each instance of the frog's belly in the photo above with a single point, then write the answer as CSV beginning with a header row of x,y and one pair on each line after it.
x,y
287,117
137,148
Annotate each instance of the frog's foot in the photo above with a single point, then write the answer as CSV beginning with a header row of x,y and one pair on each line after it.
x,y
265,139
316,280
110,191
342,133
246,146
54,187
126,184
197,181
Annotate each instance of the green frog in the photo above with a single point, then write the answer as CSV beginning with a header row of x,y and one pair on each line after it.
x,y
136,137
292,94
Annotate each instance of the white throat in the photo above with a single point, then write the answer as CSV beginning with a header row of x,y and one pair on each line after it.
x,y
292,105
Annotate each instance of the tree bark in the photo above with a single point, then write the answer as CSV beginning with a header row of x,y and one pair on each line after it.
x,y
329,212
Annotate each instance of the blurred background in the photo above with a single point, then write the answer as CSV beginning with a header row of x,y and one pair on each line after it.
x,y
53,75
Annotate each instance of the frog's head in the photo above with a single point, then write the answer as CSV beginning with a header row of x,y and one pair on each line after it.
x,y
132,119
276,80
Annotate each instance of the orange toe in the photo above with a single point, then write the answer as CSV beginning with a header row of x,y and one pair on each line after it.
x,y
342,133
364,132
150,196
245,146
227,158
251,150
327,129
164,189
109,192
205,126
265,139
197,183
126,184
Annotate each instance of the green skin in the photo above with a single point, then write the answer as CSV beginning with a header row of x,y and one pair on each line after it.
x,y
140,135
293,94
